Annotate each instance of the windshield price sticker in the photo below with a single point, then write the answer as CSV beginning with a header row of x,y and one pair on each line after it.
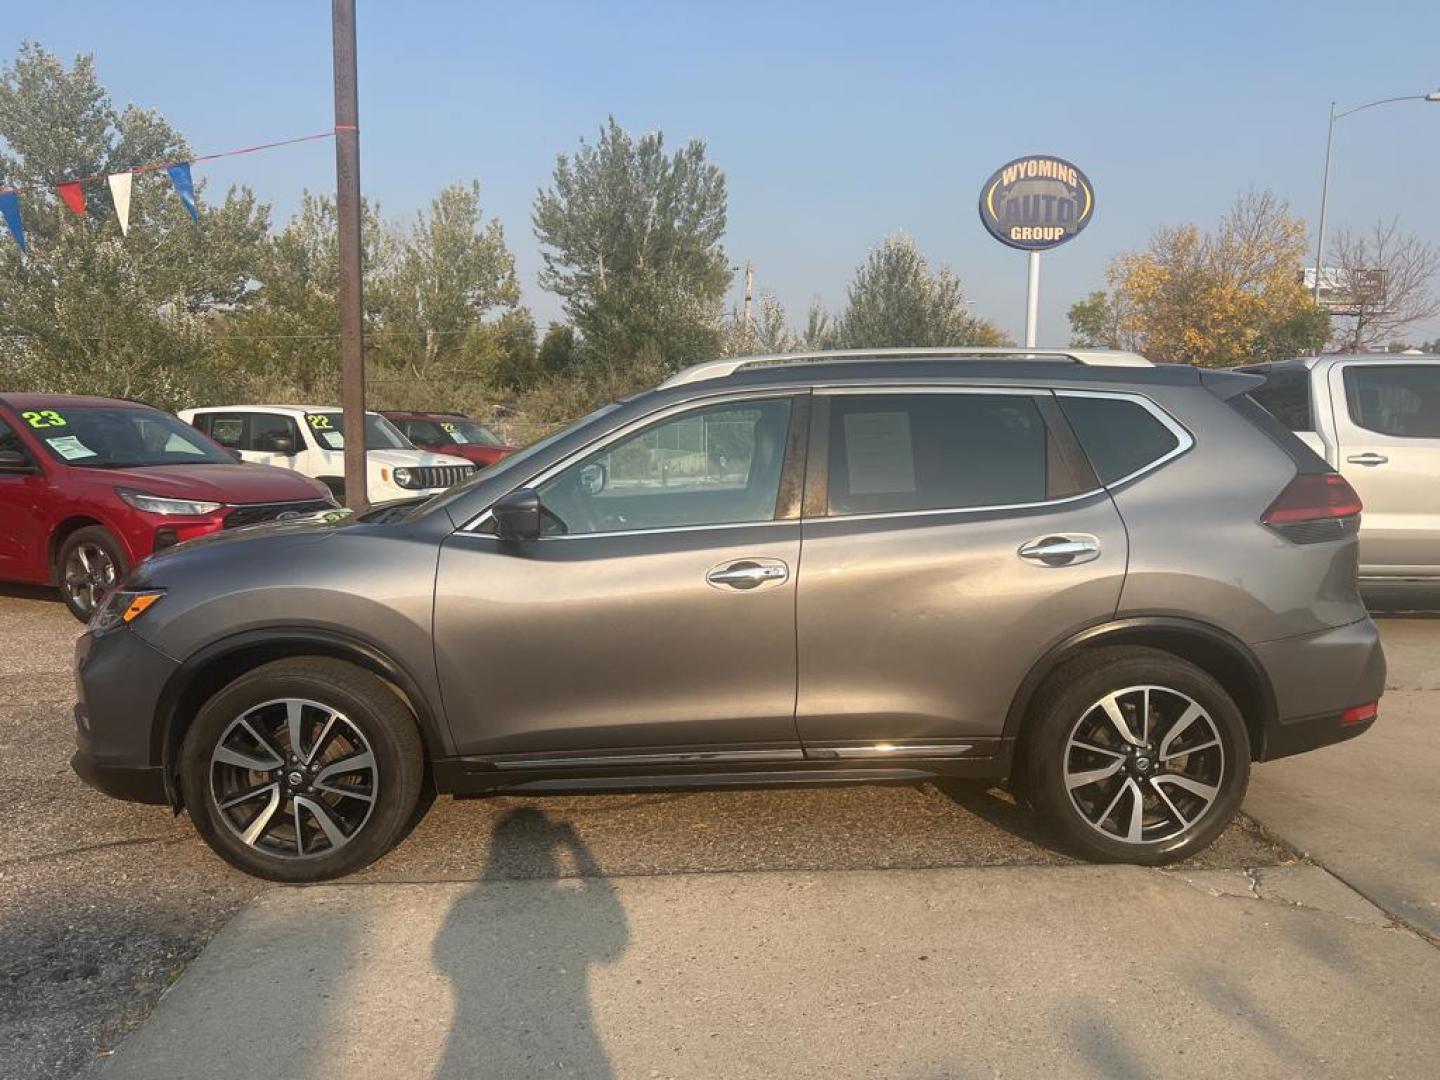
x,y
319,421
69,447
44,418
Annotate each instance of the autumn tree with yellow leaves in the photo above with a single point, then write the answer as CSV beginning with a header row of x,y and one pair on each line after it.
x,y
1216,298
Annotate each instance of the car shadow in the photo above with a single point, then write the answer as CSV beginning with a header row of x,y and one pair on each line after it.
x,y
30,592
518,956
998,806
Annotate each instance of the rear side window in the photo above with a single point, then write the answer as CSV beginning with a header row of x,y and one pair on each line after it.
x,y
903,452
1120,437
1286,396
1395,399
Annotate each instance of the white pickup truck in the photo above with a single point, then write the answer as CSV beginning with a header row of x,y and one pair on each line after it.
x,y
311,440
1375,418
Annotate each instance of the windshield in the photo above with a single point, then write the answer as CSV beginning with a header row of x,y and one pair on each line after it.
x,y
465,430
329,430
121,438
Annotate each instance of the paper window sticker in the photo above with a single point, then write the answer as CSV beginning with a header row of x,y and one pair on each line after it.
x,y
878,453
69,447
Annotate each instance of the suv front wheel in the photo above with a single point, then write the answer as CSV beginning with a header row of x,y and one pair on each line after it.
x,y
1137,756
302,770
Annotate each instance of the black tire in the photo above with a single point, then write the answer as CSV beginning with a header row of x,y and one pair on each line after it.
x,y
1175,820
370,717
80,549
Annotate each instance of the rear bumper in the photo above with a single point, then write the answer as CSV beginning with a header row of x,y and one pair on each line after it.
x,y
1316,677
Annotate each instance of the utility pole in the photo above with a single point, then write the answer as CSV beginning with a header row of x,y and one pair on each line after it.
x,y
347,214
749,293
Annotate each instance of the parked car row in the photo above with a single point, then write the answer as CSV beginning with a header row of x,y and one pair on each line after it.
x,y
90,486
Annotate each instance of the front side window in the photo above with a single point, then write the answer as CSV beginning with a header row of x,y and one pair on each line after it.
x,y
272,433
892,453
714,466
1120,437
119,438
1395,399
1286,396
423,432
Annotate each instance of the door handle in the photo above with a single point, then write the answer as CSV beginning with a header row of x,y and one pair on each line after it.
x,y
1367,459
1065,550
748,574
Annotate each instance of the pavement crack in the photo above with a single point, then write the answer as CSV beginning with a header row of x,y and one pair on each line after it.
x,y
45,856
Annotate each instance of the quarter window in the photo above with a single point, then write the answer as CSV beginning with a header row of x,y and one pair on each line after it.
x,y
1286,396
227,429
1120,437
906,452
1395,399
714,466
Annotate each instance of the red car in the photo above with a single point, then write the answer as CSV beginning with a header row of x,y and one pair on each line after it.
x,y
451,433
89,486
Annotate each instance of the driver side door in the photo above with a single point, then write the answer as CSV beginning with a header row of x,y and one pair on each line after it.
x,y
654,618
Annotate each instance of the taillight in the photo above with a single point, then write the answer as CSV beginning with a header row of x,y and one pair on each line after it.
x,y
1313,497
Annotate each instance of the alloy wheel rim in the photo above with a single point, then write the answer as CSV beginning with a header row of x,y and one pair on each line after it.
x,y
1144,764
89,575
294,778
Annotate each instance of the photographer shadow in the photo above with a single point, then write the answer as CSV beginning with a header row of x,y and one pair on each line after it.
x,y
518,954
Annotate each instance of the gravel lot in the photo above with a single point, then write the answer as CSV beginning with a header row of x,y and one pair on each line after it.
x,y
103,903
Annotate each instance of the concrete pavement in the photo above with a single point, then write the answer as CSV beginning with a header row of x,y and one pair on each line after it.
x,y
1066,971
1369,810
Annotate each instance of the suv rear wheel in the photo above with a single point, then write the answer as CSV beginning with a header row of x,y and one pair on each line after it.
x,y
89,565
1137,756
302,770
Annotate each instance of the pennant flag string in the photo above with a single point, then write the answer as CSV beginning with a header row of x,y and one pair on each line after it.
x,y
120,183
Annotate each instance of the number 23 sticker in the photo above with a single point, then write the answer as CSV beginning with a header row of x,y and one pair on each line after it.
x,y
44,418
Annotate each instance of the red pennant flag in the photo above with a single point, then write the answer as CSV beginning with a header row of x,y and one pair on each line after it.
x,y
73,195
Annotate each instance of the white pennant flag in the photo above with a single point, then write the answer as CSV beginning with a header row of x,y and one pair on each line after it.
x,y
120,192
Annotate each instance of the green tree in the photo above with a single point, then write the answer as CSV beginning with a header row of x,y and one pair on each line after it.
x,y
632,238
767,332
1095,322
89,310
896,302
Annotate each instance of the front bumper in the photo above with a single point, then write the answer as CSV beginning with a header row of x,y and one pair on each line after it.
x,y
1316,677
119,679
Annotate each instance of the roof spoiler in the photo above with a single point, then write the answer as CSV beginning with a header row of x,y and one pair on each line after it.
x,y
1229,384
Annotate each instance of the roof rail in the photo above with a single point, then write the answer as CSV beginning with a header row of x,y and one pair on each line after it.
x,y
719,369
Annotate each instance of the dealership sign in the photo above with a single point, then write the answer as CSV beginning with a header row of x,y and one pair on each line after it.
x,y
1036,203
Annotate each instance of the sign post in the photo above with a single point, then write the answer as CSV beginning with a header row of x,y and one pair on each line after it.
x,y
1033,204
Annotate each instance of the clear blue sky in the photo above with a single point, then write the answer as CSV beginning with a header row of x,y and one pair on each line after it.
x,y
835,122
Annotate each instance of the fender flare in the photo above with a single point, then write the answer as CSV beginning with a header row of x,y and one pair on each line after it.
x,y
188,685
1244,677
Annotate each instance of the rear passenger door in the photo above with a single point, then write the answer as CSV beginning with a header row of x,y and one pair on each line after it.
x,y
1387,424
951,535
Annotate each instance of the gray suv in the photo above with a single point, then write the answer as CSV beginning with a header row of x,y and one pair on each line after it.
x,y
1112,583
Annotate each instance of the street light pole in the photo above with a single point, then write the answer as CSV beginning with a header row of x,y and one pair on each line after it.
x,y
347,216
1434,95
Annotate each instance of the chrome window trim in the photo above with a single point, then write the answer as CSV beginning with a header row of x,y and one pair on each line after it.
x,y
688,405
997,507
1184,441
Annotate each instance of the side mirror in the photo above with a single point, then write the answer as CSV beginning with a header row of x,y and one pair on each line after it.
x,y
235,453
15,461
517,515
593,478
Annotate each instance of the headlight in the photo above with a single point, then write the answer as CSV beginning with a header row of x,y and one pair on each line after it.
x,y
123,606
154,504
404,477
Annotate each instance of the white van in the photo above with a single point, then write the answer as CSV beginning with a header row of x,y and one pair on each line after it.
x,y
311,440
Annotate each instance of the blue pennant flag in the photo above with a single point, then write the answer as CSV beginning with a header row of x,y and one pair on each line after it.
x,y
10,208
184,186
